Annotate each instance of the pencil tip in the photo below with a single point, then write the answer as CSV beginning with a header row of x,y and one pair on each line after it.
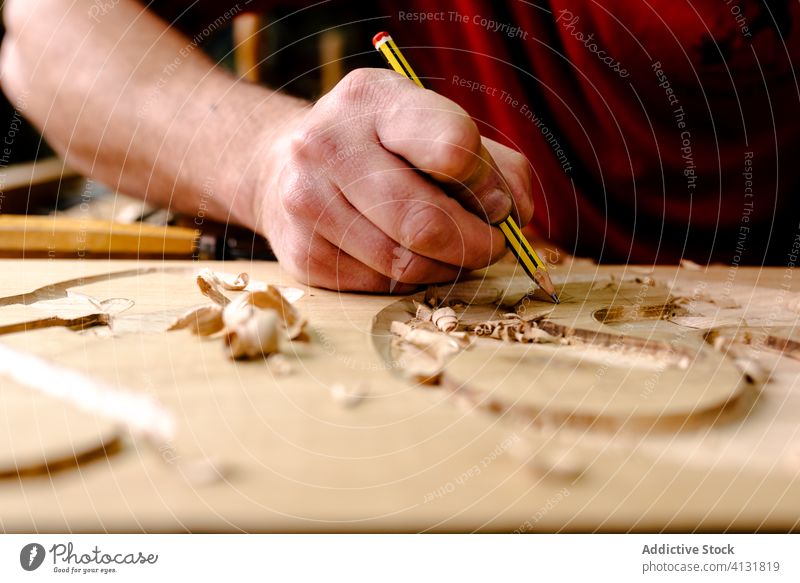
x,y
555,298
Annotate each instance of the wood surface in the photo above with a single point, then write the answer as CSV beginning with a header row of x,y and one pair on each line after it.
x,y
260,448
619,362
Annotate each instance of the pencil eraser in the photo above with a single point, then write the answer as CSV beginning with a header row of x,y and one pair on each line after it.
x,y
380,38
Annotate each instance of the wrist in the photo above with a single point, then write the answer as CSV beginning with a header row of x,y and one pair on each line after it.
x,y
243,157
274,149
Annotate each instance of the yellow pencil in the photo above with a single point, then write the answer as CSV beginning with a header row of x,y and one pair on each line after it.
x,y
519,245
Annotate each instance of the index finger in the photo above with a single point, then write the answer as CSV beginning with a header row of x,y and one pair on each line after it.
x,y
418,215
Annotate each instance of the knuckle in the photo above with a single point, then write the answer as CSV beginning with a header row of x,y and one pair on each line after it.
x,y
295,203
522,169
296,198
297,259
314,143
524,176
422,228
356,86
455,153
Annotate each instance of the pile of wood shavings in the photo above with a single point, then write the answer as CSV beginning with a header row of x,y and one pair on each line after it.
x,y
253,323
514,328
435,335
428,342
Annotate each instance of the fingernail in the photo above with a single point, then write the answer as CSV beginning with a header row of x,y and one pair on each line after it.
x,y
497,205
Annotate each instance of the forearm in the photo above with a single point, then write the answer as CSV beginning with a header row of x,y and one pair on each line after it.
x,y
137,105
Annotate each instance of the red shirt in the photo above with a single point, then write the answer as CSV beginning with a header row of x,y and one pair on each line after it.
x,y
656,129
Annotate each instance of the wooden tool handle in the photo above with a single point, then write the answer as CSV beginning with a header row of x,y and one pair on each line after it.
x,y
53,236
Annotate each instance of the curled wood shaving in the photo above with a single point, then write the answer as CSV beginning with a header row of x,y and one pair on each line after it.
x,y
210,287
420,365
272,299
228,281
254,322
202,321
445,319
425,353
251,332
424,338
237,312
513,328
423,313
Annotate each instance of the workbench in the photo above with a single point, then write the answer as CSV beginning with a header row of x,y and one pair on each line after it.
x,y
286,456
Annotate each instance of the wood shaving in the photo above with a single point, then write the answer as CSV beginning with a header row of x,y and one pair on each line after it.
x,y
210,287
428,338
237,312
445,319
228,281
425,353
347,395
202,321
254,322
513,328
251,332
423,312
271,298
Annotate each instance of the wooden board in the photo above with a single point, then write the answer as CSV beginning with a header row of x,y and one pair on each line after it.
x,y
258,449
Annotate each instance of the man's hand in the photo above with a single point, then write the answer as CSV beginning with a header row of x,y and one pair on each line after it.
x,y
382,185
